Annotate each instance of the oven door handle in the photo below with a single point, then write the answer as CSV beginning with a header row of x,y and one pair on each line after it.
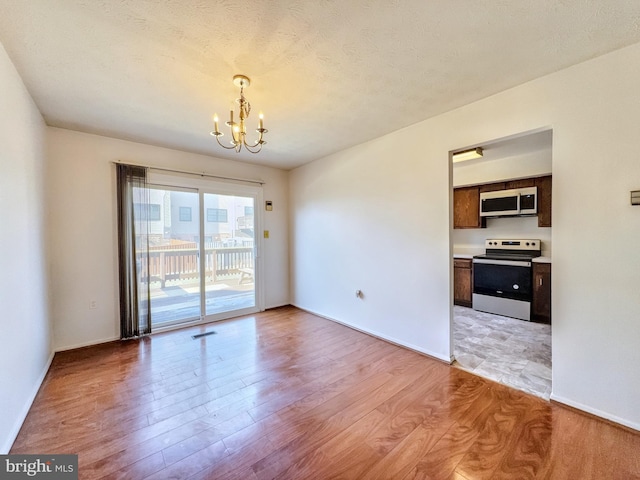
x,y
513,263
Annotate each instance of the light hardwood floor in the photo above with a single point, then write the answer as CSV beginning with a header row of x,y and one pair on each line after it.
x,y
286,394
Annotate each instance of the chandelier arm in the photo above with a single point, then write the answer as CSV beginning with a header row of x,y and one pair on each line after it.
x,y
223,146
250,147
259,142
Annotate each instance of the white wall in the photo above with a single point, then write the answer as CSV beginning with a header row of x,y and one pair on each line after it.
x,y
25,334
470,241
530,164
84,232
378,216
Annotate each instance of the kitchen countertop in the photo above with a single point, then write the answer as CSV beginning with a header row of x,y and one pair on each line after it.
x,y
542,260
462,255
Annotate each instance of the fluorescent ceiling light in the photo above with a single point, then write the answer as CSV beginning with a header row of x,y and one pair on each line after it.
x,y
467,155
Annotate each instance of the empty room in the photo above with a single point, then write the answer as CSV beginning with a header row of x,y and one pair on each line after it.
x,y
311,240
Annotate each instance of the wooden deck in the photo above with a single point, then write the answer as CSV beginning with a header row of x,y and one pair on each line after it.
x,y
285,394
182,301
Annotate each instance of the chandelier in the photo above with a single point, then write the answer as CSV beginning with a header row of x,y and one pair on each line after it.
x,y
238,130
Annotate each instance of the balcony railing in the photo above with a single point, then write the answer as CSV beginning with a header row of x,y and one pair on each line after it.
x,y
167,264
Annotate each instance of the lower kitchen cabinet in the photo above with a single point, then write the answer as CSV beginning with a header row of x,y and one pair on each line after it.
x,y
462,281
541,305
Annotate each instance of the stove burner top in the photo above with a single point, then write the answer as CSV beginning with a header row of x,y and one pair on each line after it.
x,y
507,256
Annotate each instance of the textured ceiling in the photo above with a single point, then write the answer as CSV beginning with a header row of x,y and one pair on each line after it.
x,y
326,74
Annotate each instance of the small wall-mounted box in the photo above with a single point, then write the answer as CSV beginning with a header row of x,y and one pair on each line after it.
x,y
635,197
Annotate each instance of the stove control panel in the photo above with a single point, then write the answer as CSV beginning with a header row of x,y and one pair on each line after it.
x,y
512,244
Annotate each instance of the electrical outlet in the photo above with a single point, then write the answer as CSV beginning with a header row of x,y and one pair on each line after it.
x,y
93,304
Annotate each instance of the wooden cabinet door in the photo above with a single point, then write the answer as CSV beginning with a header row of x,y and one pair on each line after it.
x,y
462,282
544,200
492,187
466,207
524,183
541,305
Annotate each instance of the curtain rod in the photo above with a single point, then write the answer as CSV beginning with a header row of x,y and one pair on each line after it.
x,y
200,174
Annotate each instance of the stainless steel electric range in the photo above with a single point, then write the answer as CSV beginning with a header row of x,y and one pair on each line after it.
x,y
502,277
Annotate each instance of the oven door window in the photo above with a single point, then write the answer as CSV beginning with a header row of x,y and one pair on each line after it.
x,y
504,281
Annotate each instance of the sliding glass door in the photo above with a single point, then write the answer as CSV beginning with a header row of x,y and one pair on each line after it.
x,y
202,250
173,216
229,245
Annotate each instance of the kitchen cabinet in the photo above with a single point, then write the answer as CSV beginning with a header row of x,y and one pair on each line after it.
x,y
544,200
524,183
466,207
541,304
466,201
493,187
462,281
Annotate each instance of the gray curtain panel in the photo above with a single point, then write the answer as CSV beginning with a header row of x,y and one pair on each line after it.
x,y
133,251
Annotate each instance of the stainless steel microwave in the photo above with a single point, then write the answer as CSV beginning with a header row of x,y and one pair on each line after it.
x,y
505,203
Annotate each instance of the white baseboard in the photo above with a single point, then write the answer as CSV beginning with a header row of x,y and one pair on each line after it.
x,y
556,398
86,344
13,434
381,336
596,412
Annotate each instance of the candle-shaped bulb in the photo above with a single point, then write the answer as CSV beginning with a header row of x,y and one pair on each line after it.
x,y
260,121
215,122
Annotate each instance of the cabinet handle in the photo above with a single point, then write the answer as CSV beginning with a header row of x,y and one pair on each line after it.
x,y
540,281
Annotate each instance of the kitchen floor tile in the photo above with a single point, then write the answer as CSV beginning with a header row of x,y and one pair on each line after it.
x,y
469,360
507,350
537,369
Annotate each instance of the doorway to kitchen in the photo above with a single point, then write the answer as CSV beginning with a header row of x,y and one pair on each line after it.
x,y
485,340
203,250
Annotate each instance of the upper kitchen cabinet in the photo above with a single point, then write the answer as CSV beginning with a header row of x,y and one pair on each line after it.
x,y
466,207
544,200
466,201
523,183
492,187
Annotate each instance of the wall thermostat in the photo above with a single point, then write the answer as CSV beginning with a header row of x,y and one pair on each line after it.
x,y
268,205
